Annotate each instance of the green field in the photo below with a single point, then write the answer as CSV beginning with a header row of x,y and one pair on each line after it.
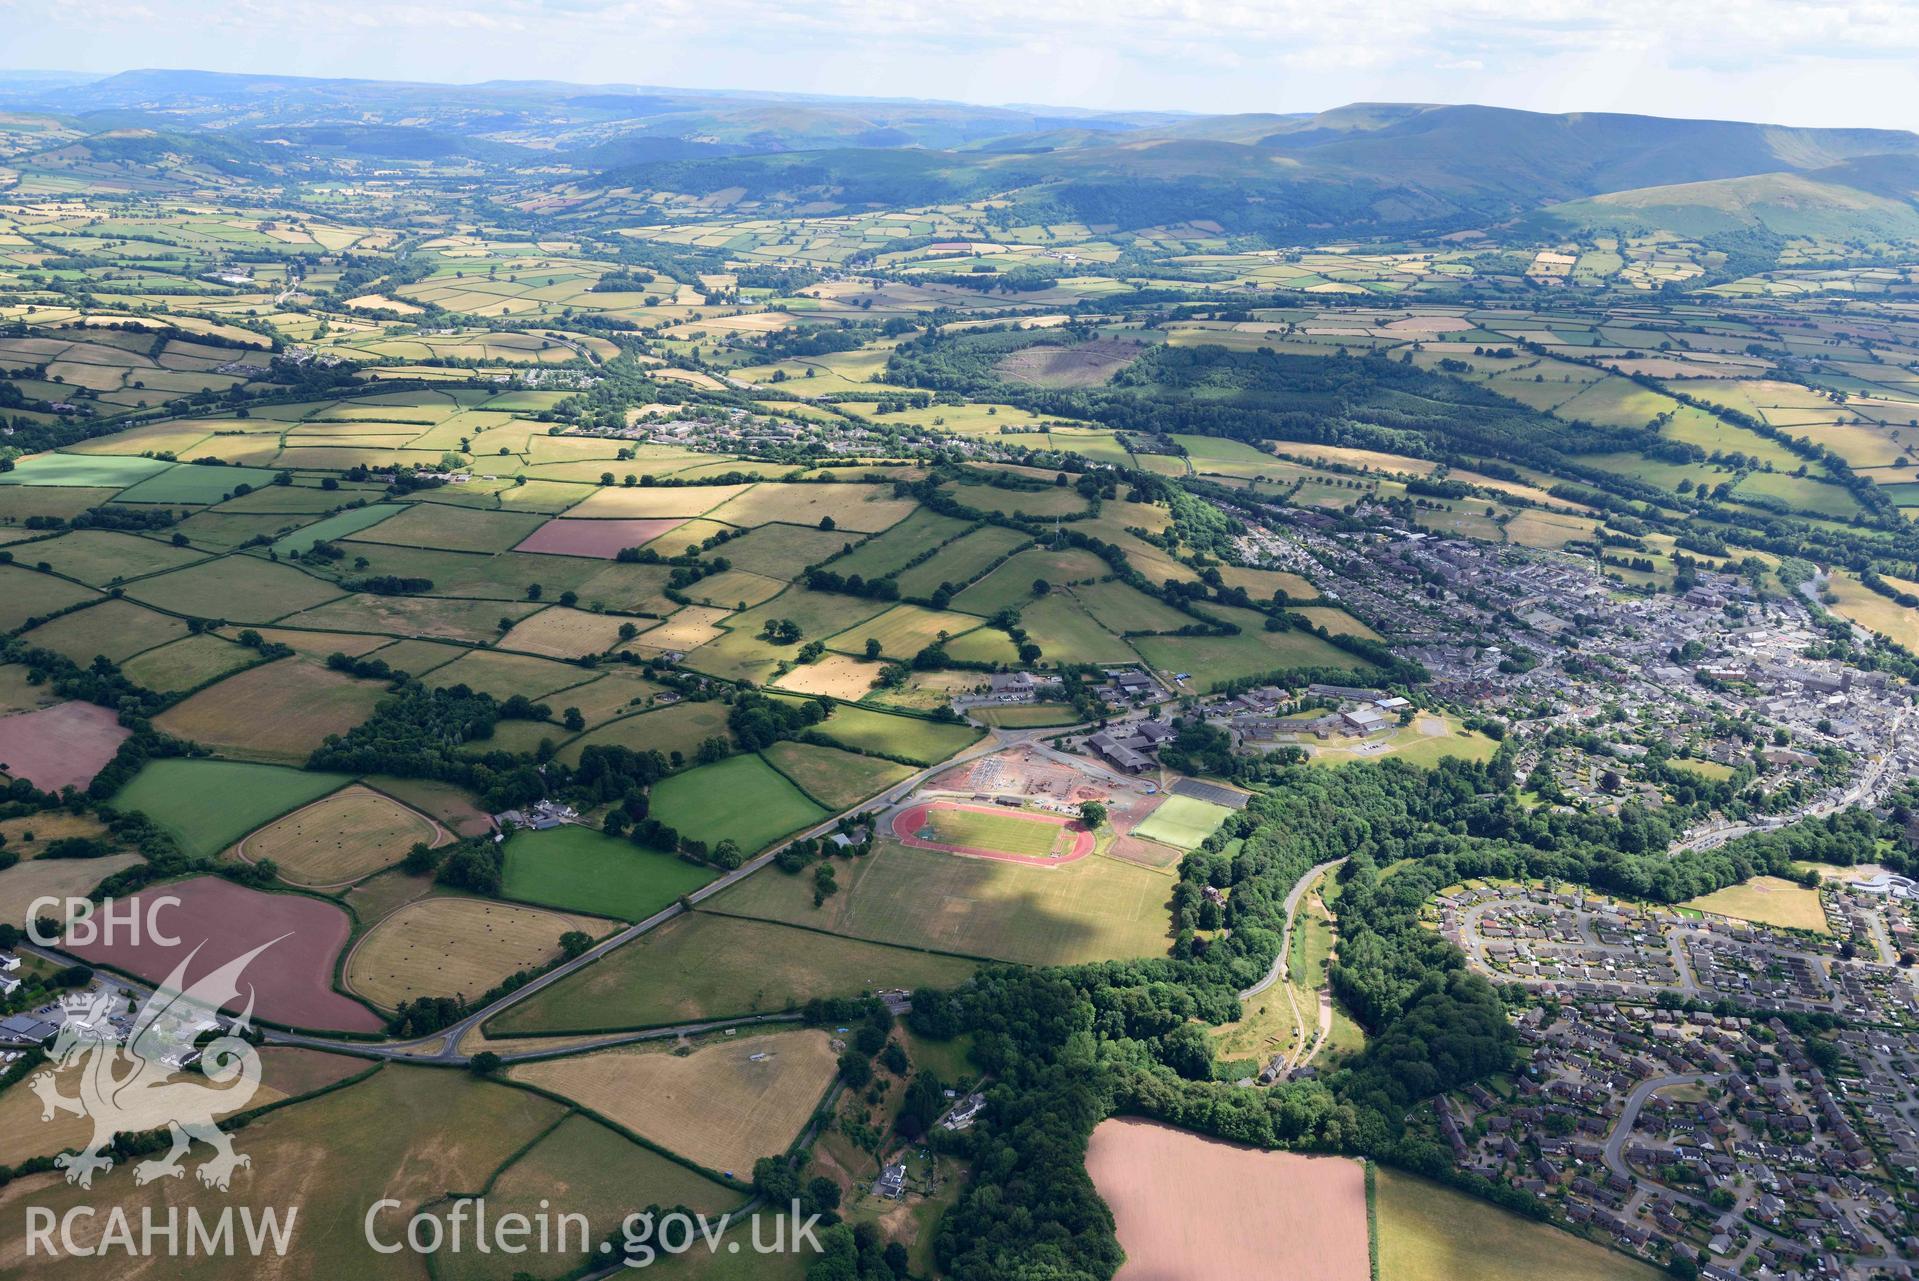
x,y
704,966
593,1170
339,525
912,738
87,470
1213,660
1094,909
195,485
1183,821
585,871
207,805
837,780
983,830
741,798
884,554
1431,1233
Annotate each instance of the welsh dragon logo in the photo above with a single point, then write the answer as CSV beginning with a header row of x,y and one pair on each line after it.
x,y
142,1087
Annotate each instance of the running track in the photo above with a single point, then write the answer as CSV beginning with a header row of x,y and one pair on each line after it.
x,y
908,822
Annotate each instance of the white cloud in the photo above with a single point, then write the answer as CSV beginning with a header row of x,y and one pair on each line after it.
x,y
1798,61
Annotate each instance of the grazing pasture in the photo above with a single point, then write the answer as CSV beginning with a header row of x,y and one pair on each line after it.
x,y
99,557
100,471
207,805
1429,1232
187,484
450,946
350,834
592,1170
723,1106
912,738
339,525
60,877
25,595
579,869
115,629
277,712
918,534
187,664
477,621
1093,909
292,982
903,630
504,675
837,780
741,798
559,632
1173,1192
241,589
702,966
60,746
678,727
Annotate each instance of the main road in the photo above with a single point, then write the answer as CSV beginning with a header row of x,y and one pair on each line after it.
x,y
442,1048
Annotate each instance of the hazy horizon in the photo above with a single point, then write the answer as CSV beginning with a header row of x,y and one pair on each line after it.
x,y
1775,61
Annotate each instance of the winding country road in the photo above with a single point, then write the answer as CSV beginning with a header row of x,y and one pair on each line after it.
x,y
1293,896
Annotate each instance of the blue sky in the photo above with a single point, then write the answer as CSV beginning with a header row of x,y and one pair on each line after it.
x,y
1784,61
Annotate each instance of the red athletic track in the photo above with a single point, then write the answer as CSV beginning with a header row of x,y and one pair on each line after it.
x,y
907,823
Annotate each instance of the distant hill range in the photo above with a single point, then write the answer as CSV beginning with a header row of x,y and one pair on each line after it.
x,y
1369,169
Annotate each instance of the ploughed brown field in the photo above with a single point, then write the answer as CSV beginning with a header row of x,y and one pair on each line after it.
x,y
292,982
60,746
1191,1208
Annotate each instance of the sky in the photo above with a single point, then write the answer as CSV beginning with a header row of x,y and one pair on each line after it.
x,y
1797,62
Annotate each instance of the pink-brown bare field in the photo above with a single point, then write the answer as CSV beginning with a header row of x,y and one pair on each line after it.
x,y
292,981
67,743
1191,1208
603,539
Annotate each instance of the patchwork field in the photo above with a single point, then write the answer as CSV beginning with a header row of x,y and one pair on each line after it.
x,y
1091,910
446,946
351,834
408,1133
1171,1191
837,780
741,798
277,712
702,966
583,870
594,1171
723,1106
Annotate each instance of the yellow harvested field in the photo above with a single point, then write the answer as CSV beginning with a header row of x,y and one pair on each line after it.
x,y
286,1072
838,676
653,502
60,877
456,947
1858,603
340,838
864,508
560,632
1766,900
686,629
724,1106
